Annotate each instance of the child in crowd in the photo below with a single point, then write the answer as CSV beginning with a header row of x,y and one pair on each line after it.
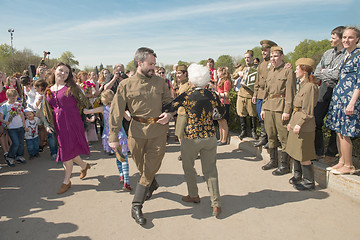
x,y
40,88
13,120
106,98
32,132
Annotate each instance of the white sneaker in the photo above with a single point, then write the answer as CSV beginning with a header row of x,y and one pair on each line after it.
x,y
20,159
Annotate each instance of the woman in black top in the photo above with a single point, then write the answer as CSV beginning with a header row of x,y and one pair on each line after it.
x,y
199,104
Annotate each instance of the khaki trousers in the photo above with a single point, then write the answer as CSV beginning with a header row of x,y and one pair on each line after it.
x,y
190,148
276,129
147,155
181,123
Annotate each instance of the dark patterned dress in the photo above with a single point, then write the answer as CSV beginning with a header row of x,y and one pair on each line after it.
x,y
346,125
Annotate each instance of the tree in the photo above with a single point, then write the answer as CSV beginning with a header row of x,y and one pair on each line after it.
x,y
68,58
180,62
309,49
130,66
225,61
203,62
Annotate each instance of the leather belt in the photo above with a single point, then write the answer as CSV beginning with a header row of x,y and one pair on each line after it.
x,y
297,109
277,95
146,120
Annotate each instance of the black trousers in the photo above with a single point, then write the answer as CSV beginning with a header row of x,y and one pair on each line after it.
x,y
320,111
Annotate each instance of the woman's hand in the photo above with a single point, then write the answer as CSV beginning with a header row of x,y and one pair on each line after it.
x,y
86,111
296,129
349,110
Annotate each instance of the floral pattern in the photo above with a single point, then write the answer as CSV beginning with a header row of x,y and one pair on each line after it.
x,y
346,125
199,105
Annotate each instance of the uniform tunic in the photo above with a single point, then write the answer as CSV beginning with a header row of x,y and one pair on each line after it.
x,y
145,98
181,119
301,146
244,105
280,89
259,87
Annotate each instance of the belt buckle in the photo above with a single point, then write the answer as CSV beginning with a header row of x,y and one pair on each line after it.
x,y
150,121
271,95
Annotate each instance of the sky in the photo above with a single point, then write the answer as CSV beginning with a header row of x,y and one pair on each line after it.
x,y
110,31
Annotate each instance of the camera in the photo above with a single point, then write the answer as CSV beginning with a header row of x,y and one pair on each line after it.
x,y
47,53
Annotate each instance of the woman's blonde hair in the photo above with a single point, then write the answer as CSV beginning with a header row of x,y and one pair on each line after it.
x,y
107,97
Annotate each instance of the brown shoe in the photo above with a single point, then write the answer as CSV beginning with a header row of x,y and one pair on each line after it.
x,y
216,211
190,199
83,172
64,188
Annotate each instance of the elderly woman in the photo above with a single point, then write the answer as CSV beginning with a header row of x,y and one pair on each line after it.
x,y
344,111
300,143
199,104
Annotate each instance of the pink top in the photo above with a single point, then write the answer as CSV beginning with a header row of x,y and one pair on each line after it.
x,y
3,97
226,87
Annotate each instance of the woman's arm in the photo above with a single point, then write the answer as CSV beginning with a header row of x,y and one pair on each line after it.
x,y
92,111
350,107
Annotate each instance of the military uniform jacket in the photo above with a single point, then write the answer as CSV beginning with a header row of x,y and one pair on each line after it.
x,y
145,98
184,87
304,103
259,87
244,91
279,81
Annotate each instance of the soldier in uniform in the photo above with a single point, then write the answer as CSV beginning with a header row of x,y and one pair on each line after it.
x,y
183,83
244,105
280,89
301,139
144,94
259,87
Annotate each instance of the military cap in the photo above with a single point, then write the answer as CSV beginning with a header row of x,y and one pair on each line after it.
x,y
181,67
276,48
267,44
305,61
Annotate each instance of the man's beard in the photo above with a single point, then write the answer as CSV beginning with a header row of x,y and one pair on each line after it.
x,y
148,73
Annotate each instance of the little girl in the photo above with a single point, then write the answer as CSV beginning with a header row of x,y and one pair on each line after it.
x,y
32,133
106,98
13,119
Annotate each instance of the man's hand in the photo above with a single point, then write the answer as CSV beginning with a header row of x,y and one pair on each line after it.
x,y
114,145
164,118
296,129
253,100
262,115
285,116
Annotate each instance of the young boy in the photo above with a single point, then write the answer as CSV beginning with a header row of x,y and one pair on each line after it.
x,y
40,88
32,133
13,119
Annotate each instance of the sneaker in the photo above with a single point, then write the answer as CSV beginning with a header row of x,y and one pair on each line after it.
x,y
54,156
20,159
6,154
126,187
41,148
10,162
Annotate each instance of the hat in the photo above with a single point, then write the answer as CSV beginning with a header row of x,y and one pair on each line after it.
x,y
181,67
267,44
305,61
276,48
28,109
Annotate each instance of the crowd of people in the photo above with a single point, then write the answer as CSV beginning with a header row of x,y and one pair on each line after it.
x,y
131,110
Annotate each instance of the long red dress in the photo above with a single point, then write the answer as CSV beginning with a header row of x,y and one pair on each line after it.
x,y
69,127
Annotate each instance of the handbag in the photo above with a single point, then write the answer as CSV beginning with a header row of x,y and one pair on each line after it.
x,y
217,115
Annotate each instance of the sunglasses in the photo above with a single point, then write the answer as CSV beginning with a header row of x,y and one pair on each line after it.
x,y
161,72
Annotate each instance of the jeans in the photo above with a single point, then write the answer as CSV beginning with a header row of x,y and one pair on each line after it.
x,y
17,138
52,143
320,111
259,103
32,146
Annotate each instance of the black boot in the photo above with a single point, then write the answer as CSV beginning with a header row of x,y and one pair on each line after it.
x,y
253,128
243,127
284,166
297,173
139,198
263,136
273,163
308,183
154,185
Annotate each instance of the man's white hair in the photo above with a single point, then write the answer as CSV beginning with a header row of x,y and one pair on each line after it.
x,y
198,75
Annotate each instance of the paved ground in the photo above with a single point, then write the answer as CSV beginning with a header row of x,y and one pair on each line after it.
x,y
256,205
